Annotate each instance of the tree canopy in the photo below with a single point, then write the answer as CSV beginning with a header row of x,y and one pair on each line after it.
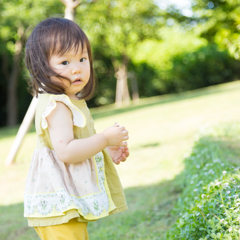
x,y
219,22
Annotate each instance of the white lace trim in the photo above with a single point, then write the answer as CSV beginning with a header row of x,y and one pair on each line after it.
x,y
79,119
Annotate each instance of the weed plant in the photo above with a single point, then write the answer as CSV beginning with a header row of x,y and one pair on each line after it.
x,y
209,206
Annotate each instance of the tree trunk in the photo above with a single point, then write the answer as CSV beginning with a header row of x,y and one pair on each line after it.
x,y
69,12
70,8
5,66
134,84
12,110
122,93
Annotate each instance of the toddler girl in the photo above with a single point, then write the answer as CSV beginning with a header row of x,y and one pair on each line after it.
x,y
72,179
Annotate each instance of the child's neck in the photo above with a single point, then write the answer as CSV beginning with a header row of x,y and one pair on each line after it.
x,y
73,96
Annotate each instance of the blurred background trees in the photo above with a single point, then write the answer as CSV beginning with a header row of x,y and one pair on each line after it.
x,y
141,48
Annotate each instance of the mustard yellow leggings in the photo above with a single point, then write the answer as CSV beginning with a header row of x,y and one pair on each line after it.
x,y
73,230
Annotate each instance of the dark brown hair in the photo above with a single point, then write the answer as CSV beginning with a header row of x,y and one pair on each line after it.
x,y
55,36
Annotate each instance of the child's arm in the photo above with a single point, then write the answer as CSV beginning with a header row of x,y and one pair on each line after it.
x,y
70,150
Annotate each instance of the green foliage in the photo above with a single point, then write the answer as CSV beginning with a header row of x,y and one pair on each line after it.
x,y
218,21
159,59
175,42
116,26
208,207
182,61
205,67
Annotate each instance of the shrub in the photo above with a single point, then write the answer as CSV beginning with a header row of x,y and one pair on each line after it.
x,y
208,207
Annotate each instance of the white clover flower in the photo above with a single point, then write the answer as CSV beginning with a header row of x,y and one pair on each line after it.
x,y
224,172
211,171
237,204
221,205
203,195
228,192
218,183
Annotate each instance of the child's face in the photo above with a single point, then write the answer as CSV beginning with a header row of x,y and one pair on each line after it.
x,y
73,65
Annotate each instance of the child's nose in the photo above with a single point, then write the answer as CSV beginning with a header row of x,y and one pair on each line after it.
x,y
76,69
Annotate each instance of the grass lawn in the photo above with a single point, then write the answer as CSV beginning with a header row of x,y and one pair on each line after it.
x,y
162,129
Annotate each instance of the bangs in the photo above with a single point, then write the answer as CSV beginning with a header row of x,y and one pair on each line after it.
x,y
62,36
67,38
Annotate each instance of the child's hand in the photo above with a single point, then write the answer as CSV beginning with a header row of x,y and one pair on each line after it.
x,y
118,154
115,135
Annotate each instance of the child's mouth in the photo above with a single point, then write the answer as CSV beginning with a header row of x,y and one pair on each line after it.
x,y
77,81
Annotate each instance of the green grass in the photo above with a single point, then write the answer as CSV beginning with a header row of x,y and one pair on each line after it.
x,y
162,129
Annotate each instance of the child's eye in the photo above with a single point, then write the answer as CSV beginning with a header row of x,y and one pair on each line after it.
x,y
83,59
65,63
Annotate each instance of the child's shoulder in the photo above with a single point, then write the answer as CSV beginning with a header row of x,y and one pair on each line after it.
x,y
47,102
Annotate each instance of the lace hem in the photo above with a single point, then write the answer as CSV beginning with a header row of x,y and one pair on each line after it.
x,y
47,195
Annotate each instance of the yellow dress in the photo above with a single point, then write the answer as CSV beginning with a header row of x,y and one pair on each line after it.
x,y
56,192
